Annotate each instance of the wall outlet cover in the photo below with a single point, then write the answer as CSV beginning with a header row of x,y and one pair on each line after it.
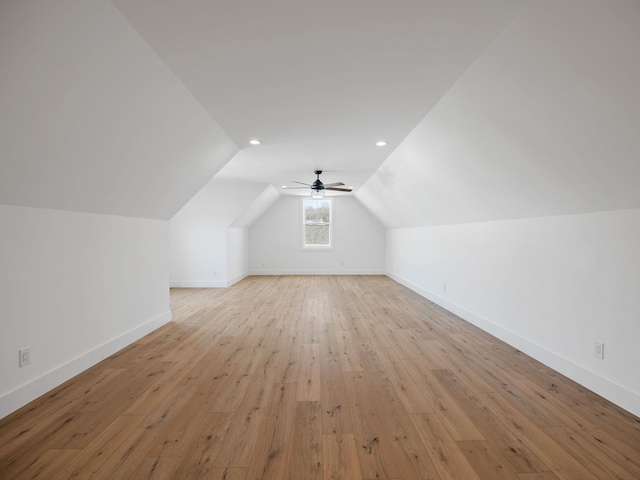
x,y
598,350
24,357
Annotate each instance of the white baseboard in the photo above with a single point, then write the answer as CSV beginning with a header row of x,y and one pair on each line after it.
x,y
317,272
613,392
17,398
220,284
236,279
180,284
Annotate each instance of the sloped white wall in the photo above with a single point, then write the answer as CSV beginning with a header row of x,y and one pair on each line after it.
x,y
199,236
275,241
549,286
92,120
544,123
75,288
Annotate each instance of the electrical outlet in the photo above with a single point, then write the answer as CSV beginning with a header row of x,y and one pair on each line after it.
x,y
598,350
24,357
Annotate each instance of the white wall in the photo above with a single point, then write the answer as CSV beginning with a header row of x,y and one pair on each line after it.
x,y
237,254
275,241
198,244
549,286
199,235
75,288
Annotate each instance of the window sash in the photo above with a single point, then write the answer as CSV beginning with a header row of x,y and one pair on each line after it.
x,y
316,223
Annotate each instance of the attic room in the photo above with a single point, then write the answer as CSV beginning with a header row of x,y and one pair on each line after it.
x,y
485,156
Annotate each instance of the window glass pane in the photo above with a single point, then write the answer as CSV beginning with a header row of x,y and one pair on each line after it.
x,y
316,235
310,211
317,222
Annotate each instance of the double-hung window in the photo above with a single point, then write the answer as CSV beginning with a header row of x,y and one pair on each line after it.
x,y
317,224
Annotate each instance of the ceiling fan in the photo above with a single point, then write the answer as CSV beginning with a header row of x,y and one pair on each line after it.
x,y
318,188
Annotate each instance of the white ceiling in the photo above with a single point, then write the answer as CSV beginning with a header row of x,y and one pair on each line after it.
x,y
318,82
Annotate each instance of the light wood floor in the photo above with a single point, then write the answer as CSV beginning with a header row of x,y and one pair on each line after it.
x,y
318,378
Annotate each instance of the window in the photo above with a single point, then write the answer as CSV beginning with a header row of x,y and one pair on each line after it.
x,y
316,224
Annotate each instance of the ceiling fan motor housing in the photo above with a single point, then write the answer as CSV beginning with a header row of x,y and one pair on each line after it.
x,y
317,184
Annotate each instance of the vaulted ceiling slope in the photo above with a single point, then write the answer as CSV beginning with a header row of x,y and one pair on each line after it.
x,y
546,122
92,120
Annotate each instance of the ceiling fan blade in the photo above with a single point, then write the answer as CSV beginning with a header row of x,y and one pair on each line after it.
x,y
336,184
301,183
336,189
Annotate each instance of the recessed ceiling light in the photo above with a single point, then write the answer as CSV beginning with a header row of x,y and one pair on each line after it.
x,y
255,142
381,143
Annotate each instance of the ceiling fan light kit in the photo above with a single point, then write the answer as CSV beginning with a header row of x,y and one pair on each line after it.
x,y
318,188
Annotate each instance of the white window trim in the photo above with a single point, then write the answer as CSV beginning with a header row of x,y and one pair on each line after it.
x,y
318,248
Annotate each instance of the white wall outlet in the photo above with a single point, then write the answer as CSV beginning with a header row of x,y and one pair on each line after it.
x,y
24,357
598,350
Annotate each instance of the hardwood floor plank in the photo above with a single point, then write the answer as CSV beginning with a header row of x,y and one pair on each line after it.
x,y
156,468
513,449
340,457
348,352
486,462
228,474
309,374
93,456
590,455
271,454
158,391
556,458
336,414
46,465
411,456
374,370
125,459
204,447
372,437
411,395
454,417
537,476
241,437
305,459
228,392
445,454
